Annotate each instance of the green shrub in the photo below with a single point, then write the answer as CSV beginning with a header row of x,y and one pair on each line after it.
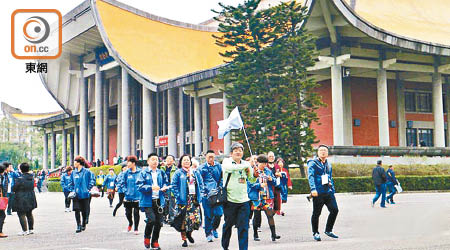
x,y
54,179
365,184
105,169
54,187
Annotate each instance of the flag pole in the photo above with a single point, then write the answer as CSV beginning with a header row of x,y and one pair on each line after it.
x,y
246,138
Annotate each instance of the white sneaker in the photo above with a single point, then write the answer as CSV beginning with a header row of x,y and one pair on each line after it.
x,y
22,233
31,232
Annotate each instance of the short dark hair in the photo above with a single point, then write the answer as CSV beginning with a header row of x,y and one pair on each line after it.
x,y
167,156
181,159
80,160
262,158
152,154
379,162
6,164
322,146
390,166
210,151
69,168
24,167
2,168
132,158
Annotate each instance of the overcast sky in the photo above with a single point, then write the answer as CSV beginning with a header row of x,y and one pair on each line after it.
x,y
25,91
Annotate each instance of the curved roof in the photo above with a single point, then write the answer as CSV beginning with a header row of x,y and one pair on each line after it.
x,y
156,48
413,24
18,116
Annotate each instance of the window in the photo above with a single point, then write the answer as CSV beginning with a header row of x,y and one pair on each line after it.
x,y
426,137
410,102
411,137
423,101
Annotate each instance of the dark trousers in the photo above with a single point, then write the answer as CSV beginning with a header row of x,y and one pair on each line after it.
x,y
330,201
66,199
2,220
81,206
10,201
153,221
132,209
212,216
236,214
25,217
121,197
101,189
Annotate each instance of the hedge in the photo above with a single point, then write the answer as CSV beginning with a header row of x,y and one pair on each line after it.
x,y
354,184
356,170
365,184
105,169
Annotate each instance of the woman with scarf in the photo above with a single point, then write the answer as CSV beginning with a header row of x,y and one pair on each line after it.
x,y
277,188
187,188
285,181
262,197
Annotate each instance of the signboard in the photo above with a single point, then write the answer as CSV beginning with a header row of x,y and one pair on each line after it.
x,y
162,141
102,56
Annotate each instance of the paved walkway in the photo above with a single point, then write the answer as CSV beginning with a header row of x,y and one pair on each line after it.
x,y
417,221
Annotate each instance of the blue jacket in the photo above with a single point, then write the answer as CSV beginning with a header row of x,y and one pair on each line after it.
x,y
118,181
255,187
145,183
128,184
12,176
110,181
65,182
284,186
315,171
391,176
81,182
100,176
211,175
180,186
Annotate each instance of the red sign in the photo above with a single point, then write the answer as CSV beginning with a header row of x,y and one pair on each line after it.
x,y
163,141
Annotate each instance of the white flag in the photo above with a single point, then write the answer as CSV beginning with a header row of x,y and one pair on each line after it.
x,y
234,121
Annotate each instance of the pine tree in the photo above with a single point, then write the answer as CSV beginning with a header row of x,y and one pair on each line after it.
x,y
267,55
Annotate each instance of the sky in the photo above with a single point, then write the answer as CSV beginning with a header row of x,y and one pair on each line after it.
x,y
26,91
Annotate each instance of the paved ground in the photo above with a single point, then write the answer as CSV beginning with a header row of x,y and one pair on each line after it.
x,y
417,221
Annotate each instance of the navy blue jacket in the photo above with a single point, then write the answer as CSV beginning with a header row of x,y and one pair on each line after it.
x,y
254,188
391,176
81,182
145,183
4,184
211,175
315,171
180,186
65,182
129,187
109,181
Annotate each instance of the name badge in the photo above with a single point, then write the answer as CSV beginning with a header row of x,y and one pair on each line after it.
x,y
191,188
242,180
325,179
111,184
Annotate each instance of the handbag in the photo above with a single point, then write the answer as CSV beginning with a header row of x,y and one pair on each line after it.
x,y
218,196
398,187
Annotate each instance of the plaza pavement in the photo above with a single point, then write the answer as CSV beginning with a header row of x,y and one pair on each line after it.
x,y
417,221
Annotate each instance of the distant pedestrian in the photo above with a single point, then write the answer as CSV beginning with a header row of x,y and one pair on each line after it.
x,y
25,200
119,188
391,183
65,185
321,184
99,180
285,181
109,184
3,191
379,179
12,176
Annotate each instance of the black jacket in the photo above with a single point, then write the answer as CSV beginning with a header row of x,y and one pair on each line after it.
x,y
3,184
24,199
378,175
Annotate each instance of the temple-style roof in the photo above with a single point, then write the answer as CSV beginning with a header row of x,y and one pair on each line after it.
x,y
155,48
34,119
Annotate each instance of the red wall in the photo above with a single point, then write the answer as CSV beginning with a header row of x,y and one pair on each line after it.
x,y
112,143
364,108
215,114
